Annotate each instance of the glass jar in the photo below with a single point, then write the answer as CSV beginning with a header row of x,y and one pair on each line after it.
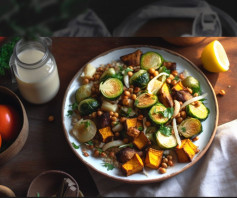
x,y
35,70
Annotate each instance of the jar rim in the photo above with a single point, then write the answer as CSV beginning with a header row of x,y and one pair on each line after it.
x,y
30,43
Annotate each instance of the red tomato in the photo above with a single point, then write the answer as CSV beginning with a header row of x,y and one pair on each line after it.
x,y
9,122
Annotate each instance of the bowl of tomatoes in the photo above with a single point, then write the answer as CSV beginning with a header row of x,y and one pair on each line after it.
x,y
14,125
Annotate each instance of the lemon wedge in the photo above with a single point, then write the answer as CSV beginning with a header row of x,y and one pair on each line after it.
x,y
154,85
214,57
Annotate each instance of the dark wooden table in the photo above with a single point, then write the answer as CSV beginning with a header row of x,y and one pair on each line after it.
x,y
46,147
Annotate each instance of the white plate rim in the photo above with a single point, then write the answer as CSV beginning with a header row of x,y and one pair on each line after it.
x,y
125,179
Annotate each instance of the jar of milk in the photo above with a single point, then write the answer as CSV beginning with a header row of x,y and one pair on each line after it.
x,y
35,70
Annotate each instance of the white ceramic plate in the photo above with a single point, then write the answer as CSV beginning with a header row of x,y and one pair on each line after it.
x,y
205,138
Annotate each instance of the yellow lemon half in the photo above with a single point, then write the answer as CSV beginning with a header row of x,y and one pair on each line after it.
x,y
214,57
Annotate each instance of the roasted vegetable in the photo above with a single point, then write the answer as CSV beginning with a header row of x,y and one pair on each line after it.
x,y
192,83
186,151
151,60
88,71
140,79
83,92
156,114
107,74
133,132
112,88
178,86
131,122
108,106
87,106
132,166
165,142
182,95
106,134
190,127
103,120
153,158
84,130
165,96
145,100
125,154
132,59
141,141
200,112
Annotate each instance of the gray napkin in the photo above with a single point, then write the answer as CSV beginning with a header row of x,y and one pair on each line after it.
x,y
215,174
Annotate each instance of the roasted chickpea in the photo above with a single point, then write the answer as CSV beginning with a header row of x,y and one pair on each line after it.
x,y
136,90
133,96
162,170
164,165
169,157
140,117
174,72
116,115
222,92
122,119
151,70
173,82
130,73
170,163
96,153
147,123
195,94
168,80
171,76
99,113
165,160
179,120
85,81
156,73
127,93
190,90
183,114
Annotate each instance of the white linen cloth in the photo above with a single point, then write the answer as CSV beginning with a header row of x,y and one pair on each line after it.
x,y
215,174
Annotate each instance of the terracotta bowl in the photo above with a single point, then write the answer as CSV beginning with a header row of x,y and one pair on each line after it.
x,y
184,41
9,97
48,183
6,192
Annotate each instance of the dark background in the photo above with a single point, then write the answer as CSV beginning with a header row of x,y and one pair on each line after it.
x,y
57,15
113,12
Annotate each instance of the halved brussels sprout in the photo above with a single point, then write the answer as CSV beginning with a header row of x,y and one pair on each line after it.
x,y
140,79
83,92
88,106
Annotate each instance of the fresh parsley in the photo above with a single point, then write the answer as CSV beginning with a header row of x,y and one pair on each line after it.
x,y
87,124
165,130
99,149
90,143
108,166
75,146
72,107
183,129
5,54
176,78
140,128
168,112
165,70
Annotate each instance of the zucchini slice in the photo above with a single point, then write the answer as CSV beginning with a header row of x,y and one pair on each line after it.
x,y
190,127
155,114
151,60
165,142
201,112
140,79
145,100
112,88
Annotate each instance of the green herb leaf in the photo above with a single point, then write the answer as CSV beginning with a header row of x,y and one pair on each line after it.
x,y
176,78
87,124
165,130
90,142
75,146
100,150
136,102
183,129
168,112
164,69
127,70
37,194
72,107
108,166
140,128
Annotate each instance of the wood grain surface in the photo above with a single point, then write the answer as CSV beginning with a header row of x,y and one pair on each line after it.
x,y
46,147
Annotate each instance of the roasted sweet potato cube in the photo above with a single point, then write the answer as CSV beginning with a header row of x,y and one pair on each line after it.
x,y
165,96
132,166
106,134
178,86
153,158
186,151
133,59
131,122
141,141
